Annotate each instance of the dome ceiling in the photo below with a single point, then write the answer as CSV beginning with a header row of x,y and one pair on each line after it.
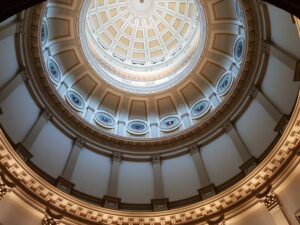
x,y
124,103
142,46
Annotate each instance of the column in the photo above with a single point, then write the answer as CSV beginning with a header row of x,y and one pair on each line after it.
x,y
270,200
158,180
186,120
292,62
63,88
201,170
12,85
266,104
160,202
36,129
89,114
237,141
154,130
182,110
114,175
72,159
214,100
122,117
10,29
282,55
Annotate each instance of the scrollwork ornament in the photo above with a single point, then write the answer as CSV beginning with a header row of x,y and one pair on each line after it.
x,y
51,218
5,185
269,198
3,190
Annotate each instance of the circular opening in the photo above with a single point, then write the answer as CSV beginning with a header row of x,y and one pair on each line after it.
x,y
142,46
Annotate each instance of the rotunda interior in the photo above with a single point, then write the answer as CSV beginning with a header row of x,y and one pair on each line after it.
x,y
150,112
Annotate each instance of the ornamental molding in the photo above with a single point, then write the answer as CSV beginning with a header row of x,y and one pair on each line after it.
x,y
281,159
71,122
269,198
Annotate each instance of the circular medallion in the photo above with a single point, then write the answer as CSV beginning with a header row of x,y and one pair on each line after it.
x,y
200,108
224,84
169,123
75,100
239,49
104,119
137,127
54,70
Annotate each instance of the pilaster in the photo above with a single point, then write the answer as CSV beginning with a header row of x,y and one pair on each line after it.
x,y
36,129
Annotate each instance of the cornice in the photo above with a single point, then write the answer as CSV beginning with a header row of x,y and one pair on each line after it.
x,y
65,118
282,157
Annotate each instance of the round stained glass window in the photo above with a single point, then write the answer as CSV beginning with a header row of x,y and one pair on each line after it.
x,y
239,49
224,84
137,127
169,123
200,108
75,100
104,119
54,71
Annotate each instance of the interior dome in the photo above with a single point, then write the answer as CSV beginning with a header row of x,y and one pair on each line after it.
x,y
139,96
199,152
142,46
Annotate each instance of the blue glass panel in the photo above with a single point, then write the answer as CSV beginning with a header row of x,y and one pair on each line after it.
x,y
54,71
224,84
104,119
170,123
137,127
200,108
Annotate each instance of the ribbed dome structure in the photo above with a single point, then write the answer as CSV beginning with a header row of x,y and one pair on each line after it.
x,y
142,46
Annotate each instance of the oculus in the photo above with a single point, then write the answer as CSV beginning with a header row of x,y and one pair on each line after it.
x,y
239,49
54,70
224,84
137,127
104,119
169,123
44,33
75,100
200,108
142,47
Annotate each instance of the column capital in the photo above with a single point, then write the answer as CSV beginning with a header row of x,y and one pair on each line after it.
x,y
185,114
20,26
79,141
47,114
194,149
25,75
266,47
117,156
254,92
153,124
51,218
268,198
220,220
6,185
227,126
156,159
